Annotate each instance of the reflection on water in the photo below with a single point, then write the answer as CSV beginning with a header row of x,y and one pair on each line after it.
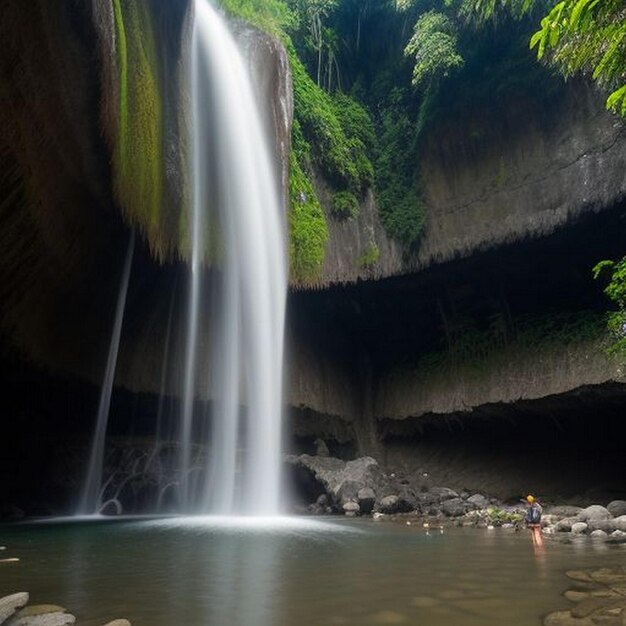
x,y
287,572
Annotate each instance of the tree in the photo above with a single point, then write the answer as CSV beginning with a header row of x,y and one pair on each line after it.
x,y
576,36
616,291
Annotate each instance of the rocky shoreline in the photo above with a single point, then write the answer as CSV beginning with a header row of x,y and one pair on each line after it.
x,y
15,611
362,488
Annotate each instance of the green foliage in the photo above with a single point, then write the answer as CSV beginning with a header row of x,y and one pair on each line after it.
x,y
339,156
271,16
308,231
616,291
400,206
473,345
138,152
497,516
434,45
370,257
345,205
576,36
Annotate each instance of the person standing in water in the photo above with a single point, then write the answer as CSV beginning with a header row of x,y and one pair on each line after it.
x,y
533,519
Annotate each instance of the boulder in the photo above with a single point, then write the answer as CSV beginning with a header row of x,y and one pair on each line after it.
x,y
366,498
565,525
321,449
579,528
389,504
608,526
40,609
443,493
620,523
598,534
351,509
10,604
617,508
456,507
479,501
594,513
340,480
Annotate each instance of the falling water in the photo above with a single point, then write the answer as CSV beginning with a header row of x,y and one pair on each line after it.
x,y
233,171
90,498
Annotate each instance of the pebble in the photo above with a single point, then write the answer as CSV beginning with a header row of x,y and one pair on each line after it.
x,y
125,622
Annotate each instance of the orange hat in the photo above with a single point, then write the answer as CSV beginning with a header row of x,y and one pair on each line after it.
x,y
530,499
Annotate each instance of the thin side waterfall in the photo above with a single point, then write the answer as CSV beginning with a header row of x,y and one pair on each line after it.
x,y
233,173
90,499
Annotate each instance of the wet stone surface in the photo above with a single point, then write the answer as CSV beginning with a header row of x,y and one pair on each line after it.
x,y
599,598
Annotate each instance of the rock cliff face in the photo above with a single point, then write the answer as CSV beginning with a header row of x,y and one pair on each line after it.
x,y
493,179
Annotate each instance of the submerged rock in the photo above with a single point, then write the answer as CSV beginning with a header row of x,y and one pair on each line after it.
x,y
119,622
46,619
598,534
10,604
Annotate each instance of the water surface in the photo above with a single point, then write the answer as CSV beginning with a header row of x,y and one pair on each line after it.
x,y
213,572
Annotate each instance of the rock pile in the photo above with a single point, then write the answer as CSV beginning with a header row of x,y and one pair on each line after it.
x,y
15,611
361,487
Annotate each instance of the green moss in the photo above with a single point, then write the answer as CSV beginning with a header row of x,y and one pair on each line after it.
x,y
307,226
370,257
138,153
345,205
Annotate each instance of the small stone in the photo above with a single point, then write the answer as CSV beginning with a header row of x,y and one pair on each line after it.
x,y
579,528
377,517
10,604
565,525
598,534
579,575
564,618
576,596
119,622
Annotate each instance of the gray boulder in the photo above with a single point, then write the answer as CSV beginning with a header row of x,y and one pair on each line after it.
x,y
340,480
579,528
617,508
608,526
366,498
351,509
389,504
598,534
594,513
479,501
565,525
443,493
456,507
620,523
10,604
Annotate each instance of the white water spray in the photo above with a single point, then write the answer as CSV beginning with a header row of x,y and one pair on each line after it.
x,y
233,173
90,499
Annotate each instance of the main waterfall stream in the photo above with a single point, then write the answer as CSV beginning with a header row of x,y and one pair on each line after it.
x,y
233,176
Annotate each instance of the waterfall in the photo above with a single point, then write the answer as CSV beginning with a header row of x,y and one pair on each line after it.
x,y
90,499
233,174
